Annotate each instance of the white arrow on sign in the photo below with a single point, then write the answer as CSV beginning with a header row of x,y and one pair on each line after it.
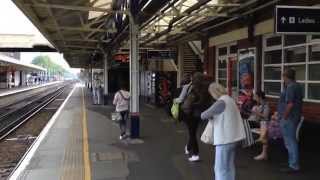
x,y
283,19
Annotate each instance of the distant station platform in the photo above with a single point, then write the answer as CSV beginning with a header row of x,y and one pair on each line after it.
x,y
7,92
81,142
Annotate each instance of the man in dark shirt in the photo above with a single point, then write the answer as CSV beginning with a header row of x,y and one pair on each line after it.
x,y
290,110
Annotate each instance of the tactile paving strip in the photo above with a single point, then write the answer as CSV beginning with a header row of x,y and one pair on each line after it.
x,y
72,166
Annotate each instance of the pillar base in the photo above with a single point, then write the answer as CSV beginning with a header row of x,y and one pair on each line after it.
x,y
135,126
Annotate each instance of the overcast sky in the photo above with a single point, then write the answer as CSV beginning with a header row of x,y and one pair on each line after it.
x,y
13,21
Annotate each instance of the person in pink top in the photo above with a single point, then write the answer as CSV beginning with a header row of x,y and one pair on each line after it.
x,y
121,101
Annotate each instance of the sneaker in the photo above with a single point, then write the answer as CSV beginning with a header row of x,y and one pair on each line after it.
x,y
121,137
194,158
260,157
186,150
289,170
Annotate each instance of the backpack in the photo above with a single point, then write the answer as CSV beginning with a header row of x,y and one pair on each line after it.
x,y
197,101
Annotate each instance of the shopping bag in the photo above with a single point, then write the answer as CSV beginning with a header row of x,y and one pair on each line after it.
x,y
116,116
207,135
175,111
248,141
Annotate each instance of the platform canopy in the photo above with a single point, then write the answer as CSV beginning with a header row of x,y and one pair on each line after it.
x,y
83,29
6,61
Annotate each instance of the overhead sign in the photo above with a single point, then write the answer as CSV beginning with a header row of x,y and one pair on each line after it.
x,y
297,20
161,54
121,57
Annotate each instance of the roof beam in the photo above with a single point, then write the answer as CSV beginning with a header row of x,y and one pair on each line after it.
x,y
83,29
92,32
93,2
224,5
81,47
36,21
64,13
82,40
82,25
80,51
69,7
55,23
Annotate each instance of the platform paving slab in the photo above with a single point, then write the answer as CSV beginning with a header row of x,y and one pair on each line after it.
x,y
160,156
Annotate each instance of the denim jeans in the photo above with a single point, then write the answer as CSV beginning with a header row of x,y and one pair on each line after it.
x,y
289,128
96,95
224,162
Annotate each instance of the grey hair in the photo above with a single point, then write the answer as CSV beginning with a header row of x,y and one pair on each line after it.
x,y
217,90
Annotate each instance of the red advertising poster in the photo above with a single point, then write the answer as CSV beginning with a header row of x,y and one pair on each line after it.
x,y
246,77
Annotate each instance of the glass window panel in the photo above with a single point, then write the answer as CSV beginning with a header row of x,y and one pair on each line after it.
x,y
223,82
222,64
315,37
272,73
234,76
315,52
272,88
274,41
303,88
294,39
222,73
233,49
300,71
223,51
273,57
314,72
297,54
314,91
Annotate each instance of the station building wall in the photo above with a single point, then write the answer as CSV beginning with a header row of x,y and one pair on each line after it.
x,y
274,53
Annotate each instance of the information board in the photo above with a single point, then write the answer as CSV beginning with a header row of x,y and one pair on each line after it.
x,y
297,20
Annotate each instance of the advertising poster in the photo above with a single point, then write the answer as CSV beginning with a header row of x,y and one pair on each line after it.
x,y
246,75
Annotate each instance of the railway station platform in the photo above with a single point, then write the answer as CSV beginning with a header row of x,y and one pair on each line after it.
x,y
11,91
81,142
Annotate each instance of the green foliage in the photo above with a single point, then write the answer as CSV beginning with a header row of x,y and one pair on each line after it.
x,y
46,62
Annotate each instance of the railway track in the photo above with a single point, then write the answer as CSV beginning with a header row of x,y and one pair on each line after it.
x,y
16,114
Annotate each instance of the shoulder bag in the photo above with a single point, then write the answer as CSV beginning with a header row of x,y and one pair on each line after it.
x,y
207,135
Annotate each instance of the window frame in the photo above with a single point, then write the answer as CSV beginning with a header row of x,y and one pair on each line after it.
x,y
227,56
283,65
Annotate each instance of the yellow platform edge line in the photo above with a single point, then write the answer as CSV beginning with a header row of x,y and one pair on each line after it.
x,y
86,157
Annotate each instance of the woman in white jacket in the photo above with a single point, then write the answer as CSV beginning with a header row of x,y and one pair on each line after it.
x,y
228,131
121,101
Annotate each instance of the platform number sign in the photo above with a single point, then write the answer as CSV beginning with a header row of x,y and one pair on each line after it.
x,y
297,20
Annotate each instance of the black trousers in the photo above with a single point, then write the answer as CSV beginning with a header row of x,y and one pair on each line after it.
x,y
123,122
192,124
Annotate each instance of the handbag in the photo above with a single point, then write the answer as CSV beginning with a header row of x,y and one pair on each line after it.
x,y
207,135
116,116
248,141
175,111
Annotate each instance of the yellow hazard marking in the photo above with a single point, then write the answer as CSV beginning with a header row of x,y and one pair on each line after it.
x,y
86,158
